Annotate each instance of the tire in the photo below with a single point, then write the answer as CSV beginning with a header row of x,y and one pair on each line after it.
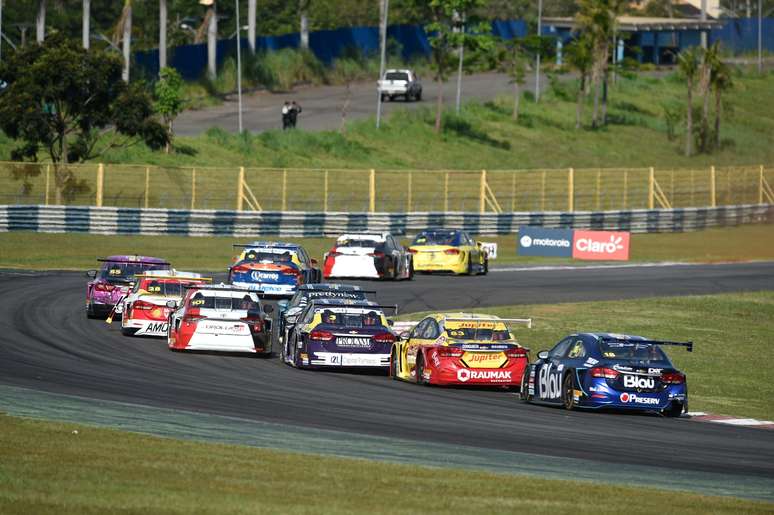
x,y
420,368
418,96
394,369
524,391
568,385
486,266
384,97
128,331
470,265
674,410
411,270
90,311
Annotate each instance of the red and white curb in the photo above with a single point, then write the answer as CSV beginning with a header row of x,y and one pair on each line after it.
x,y
700,416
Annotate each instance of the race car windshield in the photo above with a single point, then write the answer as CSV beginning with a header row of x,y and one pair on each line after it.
x,y
358,243
474,333
168,288
224,303
354,320
125,272
437,238
396,76
632,351
271,257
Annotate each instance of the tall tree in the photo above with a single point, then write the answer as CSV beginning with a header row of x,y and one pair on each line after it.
x,y
40,22
212,40
86,30
123,34
169,100
722,81
580,57
162,35
688,62
512,60
70,105
251,14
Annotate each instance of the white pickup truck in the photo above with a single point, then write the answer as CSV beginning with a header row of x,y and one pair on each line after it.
x,y
400,83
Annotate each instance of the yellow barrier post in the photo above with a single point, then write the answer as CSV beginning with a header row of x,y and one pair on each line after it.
x,y
147,185
571,190
760,186
48,180
625,188
284,189
100,183
372,191
240,192
193,188
651,187
325,191
408,199
482,192
446,192
713,199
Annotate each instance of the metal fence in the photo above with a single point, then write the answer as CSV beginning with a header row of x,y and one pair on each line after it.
x,y
391,191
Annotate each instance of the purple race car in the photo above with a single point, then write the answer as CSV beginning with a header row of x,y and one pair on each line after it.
x,y
114,279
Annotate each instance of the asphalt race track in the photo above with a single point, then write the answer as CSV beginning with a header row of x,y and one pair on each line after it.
x,y
47,344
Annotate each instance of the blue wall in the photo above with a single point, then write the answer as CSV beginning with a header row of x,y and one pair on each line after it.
x,y
737,35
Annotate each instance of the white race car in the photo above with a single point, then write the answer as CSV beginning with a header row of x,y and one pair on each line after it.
x,y
368,256
222,318
145,310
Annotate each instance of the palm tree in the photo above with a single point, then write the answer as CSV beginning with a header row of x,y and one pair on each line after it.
x,y
579,55
86,24
162,34
212,41
123,33
721,82
688,62
40,22
303,8
251,10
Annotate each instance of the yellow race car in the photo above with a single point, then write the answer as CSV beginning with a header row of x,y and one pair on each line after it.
x,y
449,251
460,349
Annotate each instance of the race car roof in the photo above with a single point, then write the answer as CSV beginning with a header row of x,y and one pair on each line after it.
x,y
330,286
269,245
622,338
146,260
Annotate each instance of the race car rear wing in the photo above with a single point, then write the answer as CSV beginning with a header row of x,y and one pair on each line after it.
x,y
221,287
688,345
129,261
525,321
355,304
174,274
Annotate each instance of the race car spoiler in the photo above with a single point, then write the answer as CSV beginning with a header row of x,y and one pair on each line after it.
x,y
322,303
129,261
173,274
221,287
526,321
688,345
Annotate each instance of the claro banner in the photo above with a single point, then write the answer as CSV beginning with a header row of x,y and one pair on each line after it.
x,y
592,245
538,241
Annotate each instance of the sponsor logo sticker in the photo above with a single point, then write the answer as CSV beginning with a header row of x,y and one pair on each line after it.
x,y
464,375
638,382
630,398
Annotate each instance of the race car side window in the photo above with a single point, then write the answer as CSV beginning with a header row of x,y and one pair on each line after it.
x,y
420,328
560,349
431,331
577,350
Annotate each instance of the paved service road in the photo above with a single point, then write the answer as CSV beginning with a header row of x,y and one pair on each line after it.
x,y
322,105
46,343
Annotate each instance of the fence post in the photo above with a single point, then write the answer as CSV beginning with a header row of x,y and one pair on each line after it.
x,y
193,188
713,198
372,191
147,185
651,187
48,180
240,193
760,186
100,183
571,190
482,192
446,192
325,191
284,189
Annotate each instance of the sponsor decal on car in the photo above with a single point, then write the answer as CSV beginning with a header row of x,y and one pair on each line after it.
x,y
354,342
604,245
629,398
464,375
549,383
631,381
484,359
257,275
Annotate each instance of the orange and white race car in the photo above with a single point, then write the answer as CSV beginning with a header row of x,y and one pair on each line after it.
x,y
145,310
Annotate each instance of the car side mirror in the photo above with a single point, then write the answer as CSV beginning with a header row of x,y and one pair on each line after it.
x,y
92,274
405,335
543,354
268,308
171,304
390,322
314,262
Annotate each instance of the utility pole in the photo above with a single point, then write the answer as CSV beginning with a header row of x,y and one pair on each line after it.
x,y
239,65
384,7
86,24
703,19
537,63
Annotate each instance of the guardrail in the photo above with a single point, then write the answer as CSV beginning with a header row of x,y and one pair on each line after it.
x,y
107,220
394,191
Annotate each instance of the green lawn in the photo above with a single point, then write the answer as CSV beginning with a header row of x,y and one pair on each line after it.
x,y
79,251
732,335
64,468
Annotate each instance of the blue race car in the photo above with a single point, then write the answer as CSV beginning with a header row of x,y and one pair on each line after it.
x,y
602,370
274,268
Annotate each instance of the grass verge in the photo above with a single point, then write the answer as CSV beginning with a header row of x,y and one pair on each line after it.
x,y
79,251
49,468
731,332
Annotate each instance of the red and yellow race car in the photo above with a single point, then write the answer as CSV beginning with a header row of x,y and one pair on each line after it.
x,y
461,349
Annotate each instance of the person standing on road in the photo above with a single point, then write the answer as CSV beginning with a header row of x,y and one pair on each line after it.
x,y
293,114
286,115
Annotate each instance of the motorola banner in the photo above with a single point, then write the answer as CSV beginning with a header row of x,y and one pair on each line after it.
x,y
578,244
539,241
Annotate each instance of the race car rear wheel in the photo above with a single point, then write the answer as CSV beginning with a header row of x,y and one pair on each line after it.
x,y
568,388
524,391
486,266
394,366
673,410
420,370
90,311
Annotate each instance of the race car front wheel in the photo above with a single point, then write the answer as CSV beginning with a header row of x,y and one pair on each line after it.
x,y
568,390
394,366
